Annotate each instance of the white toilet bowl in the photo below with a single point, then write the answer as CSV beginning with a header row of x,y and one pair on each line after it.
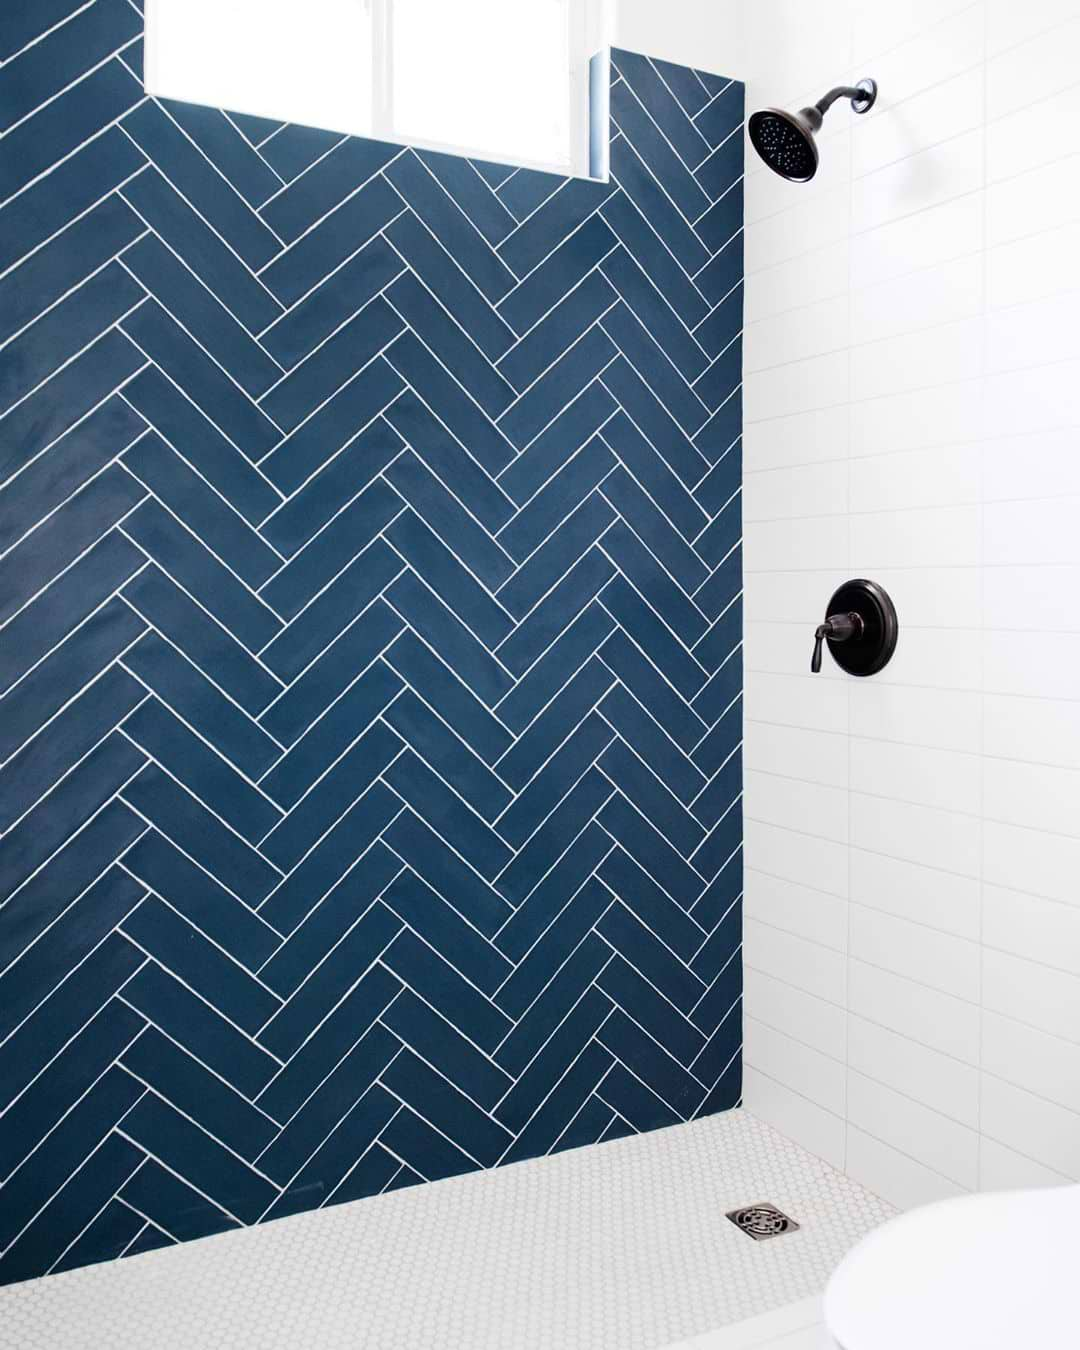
x,y
999,1271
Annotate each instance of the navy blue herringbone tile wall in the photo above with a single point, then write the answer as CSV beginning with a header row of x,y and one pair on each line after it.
x,y
370,652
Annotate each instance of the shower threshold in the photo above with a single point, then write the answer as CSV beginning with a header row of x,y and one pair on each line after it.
x,y
619,1246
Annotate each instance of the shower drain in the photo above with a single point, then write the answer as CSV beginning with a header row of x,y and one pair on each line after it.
x,y
762,1221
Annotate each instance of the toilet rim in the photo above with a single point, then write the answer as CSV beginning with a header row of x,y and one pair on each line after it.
x,y
929,1277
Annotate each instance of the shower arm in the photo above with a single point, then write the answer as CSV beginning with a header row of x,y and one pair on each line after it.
x,y
841,91
862,95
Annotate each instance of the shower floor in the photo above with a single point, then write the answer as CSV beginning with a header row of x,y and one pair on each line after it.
x,y
623,1246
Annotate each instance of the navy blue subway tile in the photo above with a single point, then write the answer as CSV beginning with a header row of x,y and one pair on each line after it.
x,y
199,183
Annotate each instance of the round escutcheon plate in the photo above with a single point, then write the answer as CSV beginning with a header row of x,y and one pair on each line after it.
x,y
873,649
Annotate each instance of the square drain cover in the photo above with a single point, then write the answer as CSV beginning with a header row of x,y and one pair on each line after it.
x,y
762,1221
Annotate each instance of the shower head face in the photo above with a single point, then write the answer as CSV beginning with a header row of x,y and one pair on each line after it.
x,y
786,143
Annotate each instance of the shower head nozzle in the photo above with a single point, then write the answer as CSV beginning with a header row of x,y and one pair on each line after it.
x,y
785,141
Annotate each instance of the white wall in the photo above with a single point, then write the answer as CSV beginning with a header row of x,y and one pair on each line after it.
x,y
699,33
913,415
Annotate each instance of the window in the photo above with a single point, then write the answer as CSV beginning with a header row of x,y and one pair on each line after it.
x,y
498,79
291,60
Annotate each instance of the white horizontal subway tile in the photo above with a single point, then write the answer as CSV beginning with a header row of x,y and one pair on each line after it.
x,y
947,779
1033,1060
1009,24
815,756
1040,398
801,229
803,490
1043,464
944,354
879,28
1037,531
818,1077
1044,731
1044,1131
927,595
1037,796
796,856
952,231
894,1175
1031,993
927,896
1029,203
1046,668
922,834
802,438
1003,1169
898,129
796,335
797,700
947,475
818,1131
932,55
940,1021
942,536
1033,861
792,71
925,1075
797,909
921,181
803,543
789,597
945,414
1039,133
1029,926
784,649
796,805
799,386
818,51
947,718
1040,332
1046,263
818,275
1027,600
943,294
1035,69
940,658
814,1021
805,965
943,1145
947,963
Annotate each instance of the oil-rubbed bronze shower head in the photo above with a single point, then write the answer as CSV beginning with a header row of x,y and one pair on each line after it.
x,y
785,141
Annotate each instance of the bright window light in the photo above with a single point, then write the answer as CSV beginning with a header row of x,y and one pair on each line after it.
x,y
497,79
490,74
307,61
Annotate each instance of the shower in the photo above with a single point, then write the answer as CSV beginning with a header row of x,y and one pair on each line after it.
x,y
785,141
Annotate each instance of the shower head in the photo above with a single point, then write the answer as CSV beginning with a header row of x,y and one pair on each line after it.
x,y
785,141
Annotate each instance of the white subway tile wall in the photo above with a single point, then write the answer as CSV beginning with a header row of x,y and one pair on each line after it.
x,y
913,414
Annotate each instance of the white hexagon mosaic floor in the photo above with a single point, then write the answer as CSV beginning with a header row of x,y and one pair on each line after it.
x,y
621,1246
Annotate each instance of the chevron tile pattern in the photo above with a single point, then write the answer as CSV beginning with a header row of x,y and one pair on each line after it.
x,y
370,653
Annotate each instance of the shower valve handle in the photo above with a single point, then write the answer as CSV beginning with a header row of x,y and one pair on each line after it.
x,y
838,627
